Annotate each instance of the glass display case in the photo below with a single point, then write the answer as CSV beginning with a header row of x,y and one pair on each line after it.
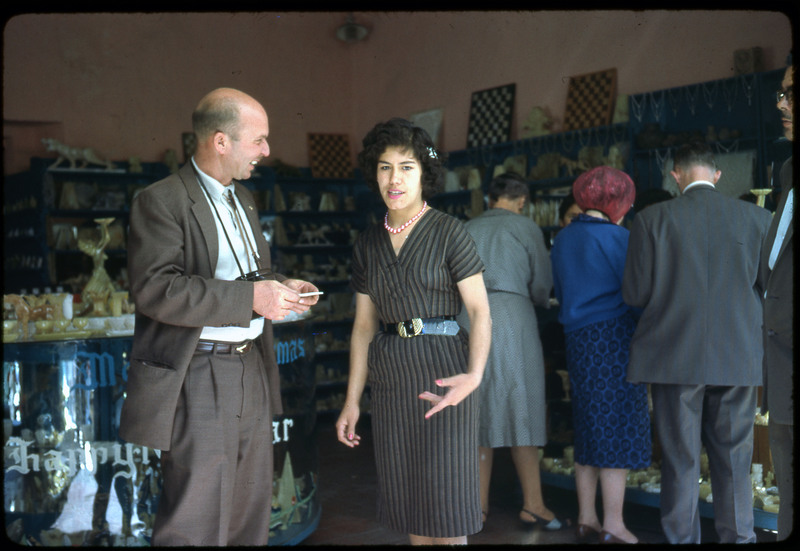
x,y
70,481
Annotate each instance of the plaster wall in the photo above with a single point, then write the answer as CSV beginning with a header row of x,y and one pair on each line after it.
x,y
125,84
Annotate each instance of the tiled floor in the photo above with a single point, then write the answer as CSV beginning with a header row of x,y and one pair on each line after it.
x,y
347,492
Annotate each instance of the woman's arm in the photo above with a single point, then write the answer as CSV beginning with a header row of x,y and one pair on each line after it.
x,y
365,326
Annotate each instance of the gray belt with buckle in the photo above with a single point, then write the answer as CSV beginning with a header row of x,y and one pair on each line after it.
x,y
216,347
445,325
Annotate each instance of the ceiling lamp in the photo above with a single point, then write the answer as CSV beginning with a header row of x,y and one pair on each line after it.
x,y
351,31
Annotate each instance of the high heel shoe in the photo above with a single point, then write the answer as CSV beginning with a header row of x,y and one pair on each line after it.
x,y
549,525
586,534
608,537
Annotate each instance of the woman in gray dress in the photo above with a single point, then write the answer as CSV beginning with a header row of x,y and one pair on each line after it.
x,y
411,276
512,398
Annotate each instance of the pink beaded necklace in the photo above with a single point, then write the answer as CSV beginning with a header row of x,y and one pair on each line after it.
x,y
407,224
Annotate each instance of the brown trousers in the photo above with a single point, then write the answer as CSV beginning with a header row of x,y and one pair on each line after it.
x,y
217,476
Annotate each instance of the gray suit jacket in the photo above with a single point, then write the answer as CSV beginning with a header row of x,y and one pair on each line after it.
x,y
172,255
693,267
779,316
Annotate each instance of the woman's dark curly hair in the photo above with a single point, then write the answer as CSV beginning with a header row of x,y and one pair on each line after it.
x,y
402,133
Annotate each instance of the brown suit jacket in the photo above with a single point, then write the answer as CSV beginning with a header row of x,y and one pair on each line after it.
x,y
172,255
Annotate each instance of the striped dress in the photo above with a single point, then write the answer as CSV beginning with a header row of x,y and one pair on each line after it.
x,y
427,468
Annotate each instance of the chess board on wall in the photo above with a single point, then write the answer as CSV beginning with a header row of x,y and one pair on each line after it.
x,y
590,100
329,155
490,116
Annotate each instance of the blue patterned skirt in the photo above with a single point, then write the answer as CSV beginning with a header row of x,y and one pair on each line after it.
x,y
609,415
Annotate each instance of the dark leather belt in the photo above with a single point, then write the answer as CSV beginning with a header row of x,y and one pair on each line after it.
x,y
215,347
444,325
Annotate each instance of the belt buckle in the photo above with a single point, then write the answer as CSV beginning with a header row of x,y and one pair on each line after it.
x,y
410,328
242,348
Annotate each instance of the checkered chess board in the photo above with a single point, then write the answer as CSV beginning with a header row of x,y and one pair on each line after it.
x,y
490,116
590,100
329,155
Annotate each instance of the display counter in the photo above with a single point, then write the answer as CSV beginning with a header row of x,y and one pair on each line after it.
x,y
69,480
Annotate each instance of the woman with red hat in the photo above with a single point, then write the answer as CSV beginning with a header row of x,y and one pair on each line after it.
x,y
610,416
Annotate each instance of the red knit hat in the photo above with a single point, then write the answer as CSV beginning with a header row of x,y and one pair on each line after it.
x,y
606,189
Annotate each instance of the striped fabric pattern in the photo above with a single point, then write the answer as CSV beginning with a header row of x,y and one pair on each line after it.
x,y
427,468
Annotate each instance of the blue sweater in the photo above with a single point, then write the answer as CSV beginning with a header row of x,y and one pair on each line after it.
x,y
588,258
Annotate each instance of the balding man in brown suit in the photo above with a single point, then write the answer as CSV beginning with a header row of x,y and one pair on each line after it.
x,y
203,383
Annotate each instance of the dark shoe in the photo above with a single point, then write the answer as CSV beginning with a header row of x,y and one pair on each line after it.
x,y
549,525
608,537
587,534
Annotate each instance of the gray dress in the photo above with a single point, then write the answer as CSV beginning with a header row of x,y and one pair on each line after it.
x,y
427,468
518,275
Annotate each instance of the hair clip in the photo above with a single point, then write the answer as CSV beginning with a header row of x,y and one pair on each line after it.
x,y
432,153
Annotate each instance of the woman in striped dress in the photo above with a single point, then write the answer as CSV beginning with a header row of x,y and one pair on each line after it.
x,y
411,275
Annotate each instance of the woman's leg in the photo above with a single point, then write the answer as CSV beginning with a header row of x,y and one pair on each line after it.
x,y
526,461
586,485
485,457
612,485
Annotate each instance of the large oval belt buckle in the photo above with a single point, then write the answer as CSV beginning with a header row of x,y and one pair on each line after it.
x,y
409,328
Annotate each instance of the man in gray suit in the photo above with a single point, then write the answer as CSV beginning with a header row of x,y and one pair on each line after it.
x,y
777,262
203,382
693,267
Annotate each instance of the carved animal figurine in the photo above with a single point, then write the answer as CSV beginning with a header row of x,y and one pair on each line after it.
x,y
515,163
590,157
22,310
31,308
41,308
100,286
314,236
78,157
538,123
547,166
571,165
135,165
302,203
616,156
